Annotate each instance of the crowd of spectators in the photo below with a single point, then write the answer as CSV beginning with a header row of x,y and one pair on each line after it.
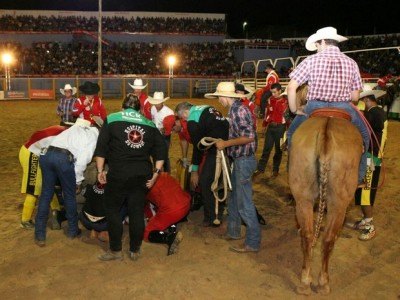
x,y
372,62
205,59
112,24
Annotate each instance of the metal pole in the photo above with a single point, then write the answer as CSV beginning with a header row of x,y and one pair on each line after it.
x,y
8,79
99,54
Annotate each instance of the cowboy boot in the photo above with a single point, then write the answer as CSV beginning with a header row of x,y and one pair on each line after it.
x,y
172,239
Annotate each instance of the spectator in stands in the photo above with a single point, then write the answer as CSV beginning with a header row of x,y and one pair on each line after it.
x,y
89,105
66,104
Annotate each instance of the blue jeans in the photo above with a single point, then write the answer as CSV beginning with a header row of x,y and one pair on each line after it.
x,y
241,206
355,119
57,165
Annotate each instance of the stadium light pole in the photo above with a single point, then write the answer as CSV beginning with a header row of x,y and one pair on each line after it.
x,y
244,29
99,39
7,60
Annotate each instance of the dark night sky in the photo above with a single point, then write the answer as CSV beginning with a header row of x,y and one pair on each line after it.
x,y
264,19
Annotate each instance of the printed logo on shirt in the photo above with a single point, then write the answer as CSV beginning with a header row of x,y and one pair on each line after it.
x,y
135,136
98,188
216,113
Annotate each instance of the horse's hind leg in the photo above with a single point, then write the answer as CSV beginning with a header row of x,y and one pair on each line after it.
x,y
304,214
334,221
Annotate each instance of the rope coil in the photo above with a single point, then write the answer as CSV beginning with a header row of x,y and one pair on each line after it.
x,y
221,169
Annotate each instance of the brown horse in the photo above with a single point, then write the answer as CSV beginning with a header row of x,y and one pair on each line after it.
x,y
323,163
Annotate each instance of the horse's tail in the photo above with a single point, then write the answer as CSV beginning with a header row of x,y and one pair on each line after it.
x,y
323,170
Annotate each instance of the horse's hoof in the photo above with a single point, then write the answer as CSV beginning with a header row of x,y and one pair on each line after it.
x,y
324,289
304,290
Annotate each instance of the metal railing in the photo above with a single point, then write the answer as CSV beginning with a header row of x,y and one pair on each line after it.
x,y
111,88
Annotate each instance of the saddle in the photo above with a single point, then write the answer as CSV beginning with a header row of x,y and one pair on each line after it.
x,y
331,112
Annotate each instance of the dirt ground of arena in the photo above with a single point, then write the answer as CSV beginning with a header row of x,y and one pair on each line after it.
x,y
204,268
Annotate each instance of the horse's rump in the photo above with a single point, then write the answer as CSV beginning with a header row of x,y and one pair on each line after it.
x,y
324,149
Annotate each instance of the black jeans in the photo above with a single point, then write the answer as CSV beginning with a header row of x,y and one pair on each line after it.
x,y
133,190
272,137
206,179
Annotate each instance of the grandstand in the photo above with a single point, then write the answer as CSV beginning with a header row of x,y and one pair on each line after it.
x,y
63,44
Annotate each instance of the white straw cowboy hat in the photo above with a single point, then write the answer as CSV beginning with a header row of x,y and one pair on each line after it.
x,y
368,90
225,89
157,98
138,84
326,33
68,87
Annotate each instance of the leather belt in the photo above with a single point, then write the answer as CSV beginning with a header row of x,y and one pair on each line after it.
x,y
61,150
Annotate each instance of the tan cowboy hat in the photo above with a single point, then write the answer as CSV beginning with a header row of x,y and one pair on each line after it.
x,y
225,89
326,33
138,84
68,87
157,98
368,90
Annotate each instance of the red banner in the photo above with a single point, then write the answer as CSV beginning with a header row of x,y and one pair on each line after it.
x,y
41,94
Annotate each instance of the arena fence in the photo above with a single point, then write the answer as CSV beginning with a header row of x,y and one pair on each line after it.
x,y
110,88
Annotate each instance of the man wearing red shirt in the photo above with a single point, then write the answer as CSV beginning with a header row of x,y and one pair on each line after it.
x,y
275,125
172,205
145,106
272,78
89,105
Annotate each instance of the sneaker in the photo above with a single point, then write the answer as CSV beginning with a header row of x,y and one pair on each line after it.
x,y
359,225
111,255
368,233
28,224
134,255
54,223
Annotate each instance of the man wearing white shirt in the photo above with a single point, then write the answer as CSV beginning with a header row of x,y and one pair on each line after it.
x,y
66,160
164,119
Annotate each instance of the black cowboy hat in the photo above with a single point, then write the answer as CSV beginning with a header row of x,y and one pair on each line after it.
x,y
240,87
89,88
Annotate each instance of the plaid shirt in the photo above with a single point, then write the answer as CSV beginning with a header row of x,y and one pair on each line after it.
x,y
241,124
331,75
66,106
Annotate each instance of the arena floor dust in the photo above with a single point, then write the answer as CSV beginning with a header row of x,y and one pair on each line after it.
x,y
204,268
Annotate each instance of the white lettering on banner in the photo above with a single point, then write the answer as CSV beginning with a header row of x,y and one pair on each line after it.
x,y
135,136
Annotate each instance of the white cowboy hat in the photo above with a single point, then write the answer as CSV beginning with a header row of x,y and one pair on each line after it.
x,y
326,33
68,87
225,89
138,84
368,90
157,98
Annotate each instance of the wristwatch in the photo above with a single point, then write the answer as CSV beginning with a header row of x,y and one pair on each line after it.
x,y
157,171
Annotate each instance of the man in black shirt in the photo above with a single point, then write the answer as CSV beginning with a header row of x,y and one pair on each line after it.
x,y
365,197
204,121
127,140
